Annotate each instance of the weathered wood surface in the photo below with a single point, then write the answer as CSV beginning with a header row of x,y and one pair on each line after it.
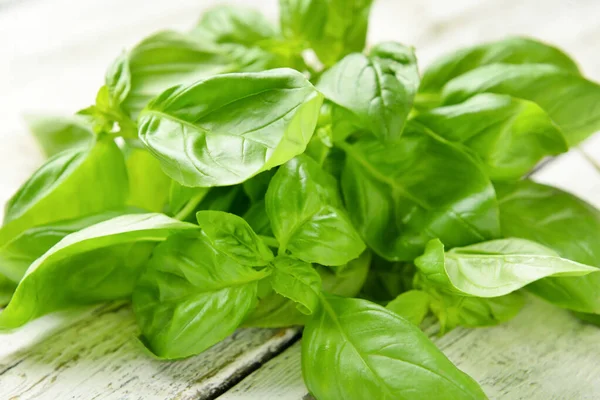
x,y
53,56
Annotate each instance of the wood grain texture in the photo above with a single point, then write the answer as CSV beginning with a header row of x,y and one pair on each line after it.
x,y
54,56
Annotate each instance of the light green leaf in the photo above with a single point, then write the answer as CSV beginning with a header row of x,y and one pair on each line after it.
x,y
71,184
148,185
232,236
7,288
510,135
228,128
305,209
571,101
378,89
98,263
354,350
56,134
183,200
412,306
192,296
401,195
118,80
564,223
493,268
297,281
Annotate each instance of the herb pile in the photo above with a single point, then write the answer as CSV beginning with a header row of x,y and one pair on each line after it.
x,y
241,174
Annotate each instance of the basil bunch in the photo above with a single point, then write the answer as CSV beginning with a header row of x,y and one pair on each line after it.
x,y
254,186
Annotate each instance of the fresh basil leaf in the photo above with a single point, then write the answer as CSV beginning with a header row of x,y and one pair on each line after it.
x,y
276,311
192,296
510,135
257,218
148,185
378,89
592,319
333,28
183,200
387,279
19,253
118,80
98,263
354,349
401,195
7,288
56,134
564,223
256,187
493,268
307,218
412,306
228,128
570,100
70,184
513,50
473,312
298,281
232,236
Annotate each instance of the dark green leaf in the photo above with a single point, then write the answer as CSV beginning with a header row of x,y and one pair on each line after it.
x,y
570,100
98,263
183,200
228,128
297,281
401,195
387,279
493,268
192,296
256,187
232,236
257,218
305,209
564,223
71,184
7,288
377,90
514,50
412,306
354,350
510,135
56,134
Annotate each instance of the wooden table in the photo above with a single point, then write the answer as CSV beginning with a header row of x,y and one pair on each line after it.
x,y
53,55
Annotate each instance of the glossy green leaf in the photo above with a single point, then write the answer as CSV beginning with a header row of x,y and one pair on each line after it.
x,y
71,184
192,296
98,263
232,236
149,187
305,209
510,135
377,90
412,306
228,128
118,80
333,28
401,195
513,50
564,223
56,134
276,311
493,268
571,101
298,281
19,253
354,350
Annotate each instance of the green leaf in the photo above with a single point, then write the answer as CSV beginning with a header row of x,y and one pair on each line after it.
x,y
305,209
510,135
513,50
297,281
276,311
192,296
387,279
354,350
148,185
19,253
378,89
232,236
333,28
564,223
412,306
228,128
70,184
592,319
118,80
570,100
401,195
98,263
56,134
256,187
7,288
493,268
257,218
183,200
